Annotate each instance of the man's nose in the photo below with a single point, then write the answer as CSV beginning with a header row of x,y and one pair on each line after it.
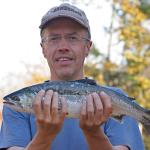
x,y
63,50
63,45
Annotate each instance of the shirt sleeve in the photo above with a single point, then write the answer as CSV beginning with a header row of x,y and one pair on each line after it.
x,y
15,129
124,133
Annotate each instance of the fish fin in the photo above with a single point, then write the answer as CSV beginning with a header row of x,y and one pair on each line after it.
x,y
132,98
148,112
88,81
147,129
118,118
146,122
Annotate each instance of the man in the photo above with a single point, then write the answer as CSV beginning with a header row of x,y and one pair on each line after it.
x,y
65,41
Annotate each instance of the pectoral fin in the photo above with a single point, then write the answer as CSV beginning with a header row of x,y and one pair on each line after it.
x,y
118,118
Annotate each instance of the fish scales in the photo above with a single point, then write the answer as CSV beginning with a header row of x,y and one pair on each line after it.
x,y
75,93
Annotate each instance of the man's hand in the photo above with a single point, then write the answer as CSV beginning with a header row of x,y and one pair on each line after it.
x,y
48,119
95,111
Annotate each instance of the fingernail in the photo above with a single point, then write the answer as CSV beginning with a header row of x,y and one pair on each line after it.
x,y
42,90
103,93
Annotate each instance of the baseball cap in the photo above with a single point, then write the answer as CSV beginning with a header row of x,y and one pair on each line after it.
x,y
66,10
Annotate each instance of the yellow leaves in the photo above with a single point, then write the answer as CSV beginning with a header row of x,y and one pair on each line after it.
x,y
134,35
147,38
147,54
125,5
100,79
130,56
108,65
132,70
132,30
143,82
126,31
131,7
140,16
136,63
147,98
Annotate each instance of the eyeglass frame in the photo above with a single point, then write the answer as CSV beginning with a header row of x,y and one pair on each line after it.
x,y
67,37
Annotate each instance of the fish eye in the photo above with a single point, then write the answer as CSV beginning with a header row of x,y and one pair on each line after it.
x,y
15,98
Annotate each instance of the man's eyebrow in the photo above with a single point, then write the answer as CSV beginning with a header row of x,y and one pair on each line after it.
x,y
73,33
56,34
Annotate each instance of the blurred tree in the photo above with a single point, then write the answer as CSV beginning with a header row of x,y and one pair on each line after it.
x,y
133,74
35,73
136,50
132,15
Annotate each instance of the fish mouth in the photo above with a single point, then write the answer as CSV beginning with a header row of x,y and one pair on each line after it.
x,y
7,100
8,103
14,107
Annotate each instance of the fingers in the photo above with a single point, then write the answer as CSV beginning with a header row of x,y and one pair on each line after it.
x,y
106,100
54,108
49,119
96,109
64,108
37,105
90,110
83,114
46,106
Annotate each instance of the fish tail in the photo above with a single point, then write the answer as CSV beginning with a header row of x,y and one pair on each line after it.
x,y
146,122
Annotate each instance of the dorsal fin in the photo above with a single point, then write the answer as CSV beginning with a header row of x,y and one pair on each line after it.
x,y
132,98
148,112
85,80
88,81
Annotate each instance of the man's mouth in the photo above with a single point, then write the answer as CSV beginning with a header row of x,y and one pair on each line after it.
x,y
63,59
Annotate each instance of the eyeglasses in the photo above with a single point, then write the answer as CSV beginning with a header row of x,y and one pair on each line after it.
x,y
72,39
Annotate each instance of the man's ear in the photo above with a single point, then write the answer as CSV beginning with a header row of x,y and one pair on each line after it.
x,y
88,47
43,50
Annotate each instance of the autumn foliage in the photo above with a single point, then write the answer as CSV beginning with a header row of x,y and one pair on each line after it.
x,y
133,73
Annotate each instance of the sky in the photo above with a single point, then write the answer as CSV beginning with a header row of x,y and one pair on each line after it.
x,y
19,31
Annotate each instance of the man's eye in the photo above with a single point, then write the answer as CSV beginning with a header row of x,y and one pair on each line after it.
x,y
73,38
53,38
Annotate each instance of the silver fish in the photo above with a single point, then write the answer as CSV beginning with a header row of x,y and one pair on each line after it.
x,y
75,93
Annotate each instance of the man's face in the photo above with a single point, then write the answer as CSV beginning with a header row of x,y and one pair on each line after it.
x,y
65,48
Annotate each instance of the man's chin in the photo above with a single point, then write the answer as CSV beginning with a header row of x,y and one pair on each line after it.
x,y
66,76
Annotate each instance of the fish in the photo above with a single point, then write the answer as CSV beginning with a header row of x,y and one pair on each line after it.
x,y
75,93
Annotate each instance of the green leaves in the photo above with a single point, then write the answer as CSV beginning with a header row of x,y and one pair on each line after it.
x,y
145,7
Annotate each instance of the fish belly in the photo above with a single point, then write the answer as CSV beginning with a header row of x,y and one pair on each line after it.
x,y
74,104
